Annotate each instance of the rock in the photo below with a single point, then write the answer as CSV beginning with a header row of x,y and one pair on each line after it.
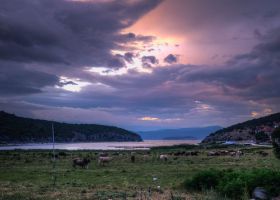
x,y
260,193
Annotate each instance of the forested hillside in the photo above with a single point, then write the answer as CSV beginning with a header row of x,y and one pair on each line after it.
x,y
14,129
258,130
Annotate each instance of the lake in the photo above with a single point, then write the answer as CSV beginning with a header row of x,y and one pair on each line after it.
x,y
147,144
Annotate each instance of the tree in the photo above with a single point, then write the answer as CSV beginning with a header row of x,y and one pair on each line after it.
x,y
261,137
276,142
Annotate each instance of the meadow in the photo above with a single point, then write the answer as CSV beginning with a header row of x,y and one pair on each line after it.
x,y
30,174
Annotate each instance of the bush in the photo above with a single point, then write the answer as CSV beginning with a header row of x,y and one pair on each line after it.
x,y
235,188
236,184
204,180
267,179
276,142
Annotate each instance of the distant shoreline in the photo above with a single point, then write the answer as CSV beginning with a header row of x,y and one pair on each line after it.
x,y
144,145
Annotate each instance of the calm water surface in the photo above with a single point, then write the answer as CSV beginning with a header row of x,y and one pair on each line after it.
x,y
102,145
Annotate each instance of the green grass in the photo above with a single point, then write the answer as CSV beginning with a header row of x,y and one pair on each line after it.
x,y
29,174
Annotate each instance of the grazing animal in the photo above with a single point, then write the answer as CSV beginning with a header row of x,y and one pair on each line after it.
x,y
132,158
103,154
188,153
145,157
194,153
180,153
115,154
103,160
163,157
233,153
176,154
236,153
211,153
224,152
239,153
263,153
82,162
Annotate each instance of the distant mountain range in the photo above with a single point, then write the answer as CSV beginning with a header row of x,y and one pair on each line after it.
x,y
179,134
257,130
14,129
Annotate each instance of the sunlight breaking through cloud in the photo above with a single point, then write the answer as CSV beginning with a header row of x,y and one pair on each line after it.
x,y
149,118
72,84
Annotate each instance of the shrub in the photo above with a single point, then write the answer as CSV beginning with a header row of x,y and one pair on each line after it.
x,y
235,188
233,184
265,178
236,184
276,142
204,180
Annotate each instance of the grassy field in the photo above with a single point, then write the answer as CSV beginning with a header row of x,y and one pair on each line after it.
x,y
29,174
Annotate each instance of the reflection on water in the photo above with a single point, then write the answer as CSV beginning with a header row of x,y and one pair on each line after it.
x,y
102,145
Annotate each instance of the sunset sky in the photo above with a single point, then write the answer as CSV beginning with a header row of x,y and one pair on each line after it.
x,y
140,64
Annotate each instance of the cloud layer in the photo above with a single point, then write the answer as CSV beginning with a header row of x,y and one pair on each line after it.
x,y
75,61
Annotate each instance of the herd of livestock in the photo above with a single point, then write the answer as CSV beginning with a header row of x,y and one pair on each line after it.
x,y
105,158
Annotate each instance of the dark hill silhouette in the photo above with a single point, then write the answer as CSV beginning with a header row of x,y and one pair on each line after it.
x,y
14,129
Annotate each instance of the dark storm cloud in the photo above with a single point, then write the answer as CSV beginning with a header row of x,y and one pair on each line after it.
x,y
80,33
14,52
171,59
116,62
16,80
131,37
58,37
149,59
129,57
63,83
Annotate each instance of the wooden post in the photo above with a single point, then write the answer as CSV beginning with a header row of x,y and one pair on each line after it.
x,y
53,141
